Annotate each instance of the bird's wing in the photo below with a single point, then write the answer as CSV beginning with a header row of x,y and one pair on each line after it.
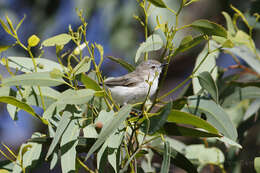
x,y
126,80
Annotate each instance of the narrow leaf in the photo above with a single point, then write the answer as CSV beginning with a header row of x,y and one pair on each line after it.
x,y
76,96
108,129
20,23
63,124
215,115
158,3
91,84
208,64
33,79
25,64
68,147
207,83
209,28
189,42
172,129
166,158
13,101
153,42
156,122
123,63
57,40
83,66
186,118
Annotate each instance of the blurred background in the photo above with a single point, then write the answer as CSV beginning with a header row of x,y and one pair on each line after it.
x,y
111,24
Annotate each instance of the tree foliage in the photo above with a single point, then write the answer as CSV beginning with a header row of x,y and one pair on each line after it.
x,y
110,136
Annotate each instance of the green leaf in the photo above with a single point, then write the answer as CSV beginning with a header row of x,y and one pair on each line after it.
x,y
203,155
25,64
240,94
13,101
207,82
5,27
189,42
32,155
57,40
166,158
257,164
123,63
108,129
33,79
153,42
49,95
81,96
178,159
241,15
20,23
176,116
63,124
10,24
230,26
252,109
83,66
215,115
172,129
224,42
68,147
156,122
91,84
158,3
33,41
208,64
209,28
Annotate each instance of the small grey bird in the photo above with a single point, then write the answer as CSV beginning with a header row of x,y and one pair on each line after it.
x,y
133,87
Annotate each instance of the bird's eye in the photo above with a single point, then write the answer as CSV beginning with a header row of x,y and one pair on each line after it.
x,y
153,67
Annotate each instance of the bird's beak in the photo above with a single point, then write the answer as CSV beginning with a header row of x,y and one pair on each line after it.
x,y
164,64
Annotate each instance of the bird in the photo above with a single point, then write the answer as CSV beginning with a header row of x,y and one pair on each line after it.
x,y
135,86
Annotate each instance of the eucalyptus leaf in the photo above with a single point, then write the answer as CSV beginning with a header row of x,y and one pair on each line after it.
x,y
123,63
215,115
68,147
177,116
189,42
33,79
76,96
108,129
25,64
172,129
166,158
156,122
57,40
158,3
13,101
203,155
230,25
63,124
252,109
89,83
83,66
207,83
209,65
153,42
209,28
